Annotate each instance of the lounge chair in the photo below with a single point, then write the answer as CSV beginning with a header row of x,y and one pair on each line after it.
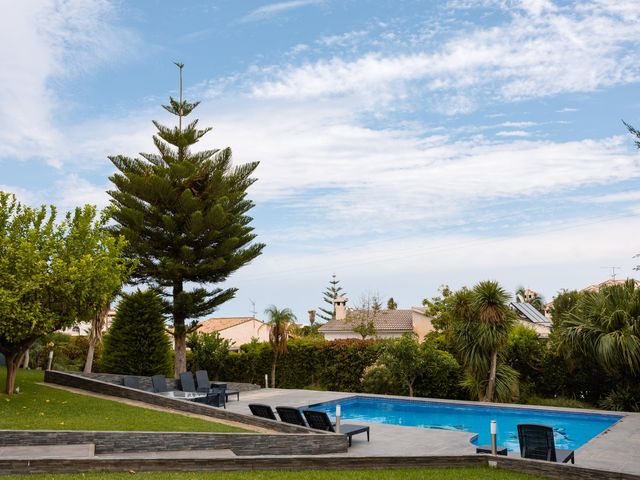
x,y
204,384
536,441
321,421
159,383
261,410
291,415
214,396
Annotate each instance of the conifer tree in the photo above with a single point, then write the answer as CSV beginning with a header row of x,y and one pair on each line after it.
x,y
137,343
332,292
185,217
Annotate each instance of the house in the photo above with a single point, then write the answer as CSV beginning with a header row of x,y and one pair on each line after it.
x,y
238,330
82,329
387,323
530,317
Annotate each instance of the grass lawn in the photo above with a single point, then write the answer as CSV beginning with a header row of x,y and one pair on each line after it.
x,y
38,407
395,474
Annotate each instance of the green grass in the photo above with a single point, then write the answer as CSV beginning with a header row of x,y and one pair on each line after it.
x,y
395,474
38,407
558,402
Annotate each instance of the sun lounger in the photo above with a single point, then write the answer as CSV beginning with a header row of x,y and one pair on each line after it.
x,y
321,421
214,396
261,410
291,415
204,384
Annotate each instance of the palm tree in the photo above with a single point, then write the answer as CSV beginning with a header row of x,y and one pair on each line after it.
x,y
280,324
481,323
605,325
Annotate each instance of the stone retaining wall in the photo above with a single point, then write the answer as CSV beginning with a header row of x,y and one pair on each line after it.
x,y
97,386
547,469
112,442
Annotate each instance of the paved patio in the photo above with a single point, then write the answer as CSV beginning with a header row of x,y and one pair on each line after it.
x,y
617,449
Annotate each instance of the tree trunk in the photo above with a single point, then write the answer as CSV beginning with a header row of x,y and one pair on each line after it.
x,y
25,362
489,395
179,332
273,370
410,389
13,363
95,336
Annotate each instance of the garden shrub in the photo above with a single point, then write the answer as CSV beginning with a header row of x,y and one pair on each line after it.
x,y
209,351
342,363
378,379
137,343
441,376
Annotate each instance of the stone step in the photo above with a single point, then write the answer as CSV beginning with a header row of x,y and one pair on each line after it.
x,y
35,452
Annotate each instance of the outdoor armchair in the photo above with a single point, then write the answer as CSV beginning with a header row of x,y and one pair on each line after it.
x,y
321,421
261,410
536,442
204,384
291,415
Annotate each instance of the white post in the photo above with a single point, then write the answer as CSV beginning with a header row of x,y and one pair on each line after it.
x,y
494,432
338,414
266,381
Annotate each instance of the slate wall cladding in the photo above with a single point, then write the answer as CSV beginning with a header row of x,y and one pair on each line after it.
x,y
547,469
242,444
106,388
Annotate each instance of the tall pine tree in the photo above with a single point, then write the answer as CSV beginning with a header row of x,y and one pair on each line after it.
x,y
332,292
185,217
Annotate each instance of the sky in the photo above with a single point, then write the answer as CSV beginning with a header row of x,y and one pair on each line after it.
x,y
403,145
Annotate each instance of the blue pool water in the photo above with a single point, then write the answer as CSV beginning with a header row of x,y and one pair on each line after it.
x,y
571,429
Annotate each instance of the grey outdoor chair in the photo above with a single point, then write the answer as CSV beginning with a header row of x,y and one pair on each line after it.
x,y
291,415
536,442
321,421
159,383
204,384
214,396
131,382
261,410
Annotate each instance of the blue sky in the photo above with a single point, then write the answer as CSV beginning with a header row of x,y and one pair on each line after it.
x,y
402,144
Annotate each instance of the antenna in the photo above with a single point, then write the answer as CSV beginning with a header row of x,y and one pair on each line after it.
x,y
253,308
613,271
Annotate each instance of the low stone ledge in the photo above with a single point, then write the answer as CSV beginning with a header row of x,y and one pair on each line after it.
x,y
242,444
105,388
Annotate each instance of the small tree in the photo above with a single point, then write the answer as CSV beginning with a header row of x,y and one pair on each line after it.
x,y
481,320
280,324
209,351
362,317
333,291
137,343
52,274
403,357
391,304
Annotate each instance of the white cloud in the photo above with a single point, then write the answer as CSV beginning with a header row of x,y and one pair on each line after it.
x,y
567,110
614,198
541,51
273,9
74,191
56,39
512,133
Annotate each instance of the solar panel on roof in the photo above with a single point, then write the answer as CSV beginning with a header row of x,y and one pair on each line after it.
x,y
530,312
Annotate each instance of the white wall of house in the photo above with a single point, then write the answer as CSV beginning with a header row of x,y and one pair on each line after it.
x,y
421,324
244,332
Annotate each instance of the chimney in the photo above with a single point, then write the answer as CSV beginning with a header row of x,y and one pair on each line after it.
x,y
312,317
340,307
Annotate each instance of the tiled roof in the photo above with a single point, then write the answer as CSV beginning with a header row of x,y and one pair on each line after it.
x,y
607,283
385,320
218,324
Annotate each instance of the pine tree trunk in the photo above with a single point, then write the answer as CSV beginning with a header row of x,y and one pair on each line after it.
x,y
179,334
410,389
491,386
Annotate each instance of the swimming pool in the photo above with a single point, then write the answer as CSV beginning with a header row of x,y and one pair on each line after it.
x,y
571,429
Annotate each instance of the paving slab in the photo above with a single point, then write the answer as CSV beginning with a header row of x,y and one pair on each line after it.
x,y
84,450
